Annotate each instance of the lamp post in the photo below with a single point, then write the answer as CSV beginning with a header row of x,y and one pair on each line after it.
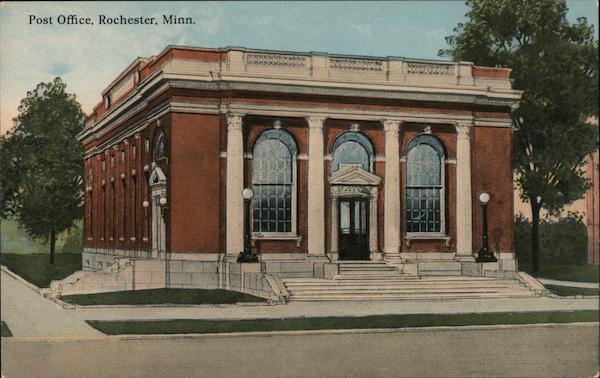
x,y
246,255
484,254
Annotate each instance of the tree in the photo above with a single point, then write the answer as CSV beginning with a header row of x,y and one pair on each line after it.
x,y
556,64
41,162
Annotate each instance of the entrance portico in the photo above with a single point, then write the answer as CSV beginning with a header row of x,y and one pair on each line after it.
x,y
354,213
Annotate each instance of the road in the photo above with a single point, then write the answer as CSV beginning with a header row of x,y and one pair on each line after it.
x,y
532,351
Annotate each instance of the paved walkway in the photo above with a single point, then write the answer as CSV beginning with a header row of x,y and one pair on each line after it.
x,y
29,314
585,285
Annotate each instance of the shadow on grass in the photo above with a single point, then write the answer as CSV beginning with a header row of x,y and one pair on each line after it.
x,y
565,272
36,268
565,291
4,330
162,296
183,326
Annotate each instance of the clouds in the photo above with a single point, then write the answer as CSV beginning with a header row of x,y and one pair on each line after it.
x,y
88,58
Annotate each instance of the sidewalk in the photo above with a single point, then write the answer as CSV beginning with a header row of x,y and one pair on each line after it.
x,y
29,314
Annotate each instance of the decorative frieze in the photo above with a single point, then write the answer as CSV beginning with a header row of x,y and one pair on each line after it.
x,y
277,60
354,64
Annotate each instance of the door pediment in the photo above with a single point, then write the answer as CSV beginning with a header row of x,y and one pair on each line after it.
x,y
354,176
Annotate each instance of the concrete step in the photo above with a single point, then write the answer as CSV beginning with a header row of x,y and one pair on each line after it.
x,y
380,286
370,287
420,296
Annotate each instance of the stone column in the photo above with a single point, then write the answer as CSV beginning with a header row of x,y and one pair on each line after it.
x,y
391,215
235,183
373,242
464,223
316,188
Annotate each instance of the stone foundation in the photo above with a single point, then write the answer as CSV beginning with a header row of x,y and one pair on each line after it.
x,y
262,279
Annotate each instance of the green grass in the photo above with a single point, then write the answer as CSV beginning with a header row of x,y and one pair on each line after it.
x,y
566,272
182,326
4,330
162,296
36,268
565,291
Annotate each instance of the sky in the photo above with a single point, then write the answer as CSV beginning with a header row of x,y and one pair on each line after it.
x,y
89,57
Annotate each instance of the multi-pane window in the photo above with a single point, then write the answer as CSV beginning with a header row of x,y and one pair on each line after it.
x,y
273,182
352,148
424,185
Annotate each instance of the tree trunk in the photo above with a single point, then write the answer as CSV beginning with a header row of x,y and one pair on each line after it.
x,y
52,246
535,236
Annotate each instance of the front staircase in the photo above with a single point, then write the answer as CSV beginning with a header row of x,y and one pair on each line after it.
x,y
371,280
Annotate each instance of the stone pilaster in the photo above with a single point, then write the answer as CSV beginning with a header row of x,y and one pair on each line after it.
x,y
235,184
391,214
373,241
464,222
316,188
335,217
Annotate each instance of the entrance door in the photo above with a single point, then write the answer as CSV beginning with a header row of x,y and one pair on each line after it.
x,y
354,229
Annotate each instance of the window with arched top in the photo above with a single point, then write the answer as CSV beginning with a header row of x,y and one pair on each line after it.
x,y
274,183
160,147
352,149
425,185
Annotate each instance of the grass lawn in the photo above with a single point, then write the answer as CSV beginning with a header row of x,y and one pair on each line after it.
x,y
383,321
36,268
565,291
564,272
4,330
162,296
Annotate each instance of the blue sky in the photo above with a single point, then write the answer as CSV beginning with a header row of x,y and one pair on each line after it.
x,y
88,58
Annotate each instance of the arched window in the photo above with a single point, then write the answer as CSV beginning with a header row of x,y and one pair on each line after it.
x,y
352,148
425,185
160,147
273,183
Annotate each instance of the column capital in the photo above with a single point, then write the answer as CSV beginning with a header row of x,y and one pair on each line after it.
x,y
315,122
234,121
463,129
391,127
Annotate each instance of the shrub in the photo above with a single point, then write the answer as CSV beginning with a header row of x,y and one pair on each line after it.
x,y
562,241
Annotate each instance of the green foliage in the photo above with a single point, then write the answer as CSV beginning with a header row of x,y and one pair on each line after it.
x,y
561,242
41,161
36,268
556,64
74,240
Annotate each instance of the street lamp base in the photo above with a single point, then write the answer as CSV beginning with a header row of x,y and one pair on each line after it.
x,y
485,256
247,257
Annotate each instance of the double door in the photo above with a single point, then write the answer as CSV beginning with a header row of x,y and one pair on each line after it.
x,y
354,229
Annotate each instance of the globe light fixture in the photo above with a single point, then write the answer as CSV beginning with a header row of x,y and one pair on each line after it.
x,y
247,194
246,255
162,201
484,254
484,197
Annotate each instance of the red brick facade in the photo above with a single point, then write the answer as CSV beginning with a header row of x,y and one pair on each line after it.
x,y
120,138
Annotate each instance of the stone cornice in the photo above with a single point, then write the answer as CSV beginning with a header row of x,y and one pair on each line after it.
x,y
160,81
